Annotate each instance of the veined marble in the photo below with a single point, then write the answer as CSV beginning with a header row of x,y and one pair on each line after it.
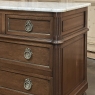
x,y
41,6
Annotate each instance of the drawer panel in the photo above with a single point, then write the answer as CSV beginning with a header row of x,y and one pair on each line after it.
x,y
38,54
23,68
20,25
31,85
77,20
7,91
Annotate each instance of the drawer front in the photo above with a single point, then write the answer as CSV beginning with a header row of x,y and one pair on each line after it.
x,y
34,54
7,91
23,68
31,85
30,26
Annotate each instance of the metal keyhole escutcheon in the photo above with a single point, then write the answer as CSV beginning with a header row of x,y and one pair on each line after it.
x,y
28,84
28,53
28,26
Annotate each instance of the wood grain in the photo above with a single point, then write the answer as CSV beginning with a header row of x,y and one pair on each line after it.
x,y
59,45
16,52
14,21
0,23
16,82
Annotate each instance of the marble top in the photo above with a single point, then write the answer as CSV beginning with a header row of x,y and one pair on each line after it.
x,y
40,6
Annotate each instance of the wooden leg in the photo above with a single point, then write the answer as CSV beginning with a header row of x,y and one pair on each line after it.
x,y
84,93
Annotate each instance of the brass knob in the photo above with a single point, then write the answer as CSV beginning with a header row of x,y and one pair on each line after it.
x,y
28,84
28,53
28,26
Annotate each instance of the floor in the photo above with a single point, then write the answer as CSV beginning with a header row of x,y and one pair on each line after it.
x,y
91,77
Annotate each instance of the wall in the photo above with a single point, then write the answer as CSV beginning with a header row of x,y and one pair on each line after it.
x,y
52,0
91,25
45,0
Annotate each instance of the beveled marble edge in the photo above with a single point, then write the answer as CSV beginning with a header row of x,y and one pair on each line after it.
x,y
41,6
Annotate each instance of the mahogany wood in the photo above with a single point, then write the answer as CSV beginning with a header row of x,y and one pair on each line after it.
x,y
16,82
42,53
59,45
0,22
38,23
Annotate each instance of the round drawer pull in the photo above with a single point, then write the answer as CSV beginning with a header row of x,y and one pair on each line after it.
x,y
28,26
28,84
28,54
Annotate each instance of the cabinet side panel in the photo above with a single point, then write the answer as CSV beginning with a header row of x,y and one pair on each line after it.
x,y
73,64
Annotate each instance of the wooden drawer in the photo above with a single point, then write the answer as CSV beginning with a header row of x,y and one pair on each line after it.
x,y
7,91
20,25
23,68
31,85
40,54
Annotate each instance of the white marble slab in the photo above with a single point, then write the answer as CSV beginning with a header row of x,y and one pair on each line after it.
x,y
41,6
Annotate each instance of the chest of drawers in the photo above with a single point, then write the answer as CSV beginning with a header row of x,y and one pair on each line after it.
x,y
43,53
